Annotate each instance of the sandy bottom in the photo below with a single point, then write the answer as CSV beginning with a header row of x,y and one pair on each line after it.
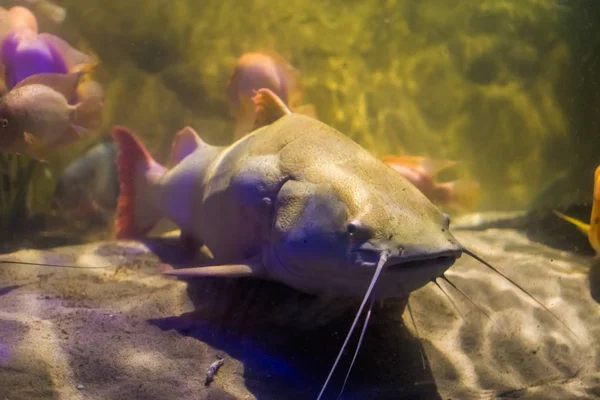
x,y
126,332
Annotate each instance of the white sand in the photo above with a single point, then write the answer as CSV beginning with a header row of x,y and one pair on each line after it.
x,y
117,333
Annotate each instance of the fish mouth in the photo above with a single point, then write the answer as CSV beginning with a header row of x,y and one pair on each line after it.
x,y
447,257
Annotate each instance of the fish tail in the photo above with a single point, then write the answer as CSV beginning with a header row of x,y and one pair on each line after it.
x,y
582,226
88,112
463,192
138,173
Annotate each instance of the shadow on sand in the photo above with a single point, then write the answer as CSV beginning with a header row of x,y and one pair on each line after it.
x,y
288,341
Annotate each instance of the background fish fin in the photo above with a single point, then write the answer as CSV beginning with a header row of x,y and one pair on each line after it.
x,y
186,141
269,108
433,167
53,12
412,161
88,111
430,166
216,271
74,59
582,226
33,147
597,184
72,135
137,172
65,84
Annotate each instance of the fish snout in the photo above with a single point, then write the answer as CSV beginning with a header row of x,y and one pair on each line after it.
x,y
414,258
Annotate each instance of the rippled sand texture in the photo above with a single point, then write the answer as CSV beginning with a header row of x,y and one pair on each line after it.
x,y
127,332
489,82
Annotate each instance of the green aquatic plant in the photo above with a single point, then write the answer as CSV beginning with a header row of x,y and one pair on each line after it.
x,y
25,188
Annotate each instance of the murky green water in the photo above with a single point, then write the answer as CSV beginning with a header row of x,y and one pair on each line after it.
x,y
510,90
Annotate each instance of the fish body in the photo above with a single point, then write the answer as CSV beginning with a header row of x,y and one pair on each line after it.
x,y
17,18
38,113
49,115
25,53
89,184
294,201
421,172
257,70
591,230
21,18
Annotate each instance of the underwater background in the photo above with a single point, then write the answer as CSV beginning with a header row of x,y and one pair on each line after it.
x,y
508,89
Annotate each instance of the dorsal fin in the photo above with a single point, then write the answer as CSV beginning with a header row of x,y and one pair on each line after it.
x,y
75,59
186,141
431,166
65,84
269,108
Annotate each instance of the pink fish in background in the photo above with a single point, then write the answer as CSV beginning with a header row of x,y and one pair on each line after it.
x,y
47,8
25,52
259,70
421,172
48,110
19,18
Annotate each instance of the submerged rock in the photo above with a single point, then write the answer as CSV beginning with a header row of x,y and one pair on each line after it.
x,y
127,332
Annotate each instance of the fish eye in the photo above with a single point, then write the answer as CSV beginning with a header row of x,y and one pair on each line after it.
x,y
351,228
4,122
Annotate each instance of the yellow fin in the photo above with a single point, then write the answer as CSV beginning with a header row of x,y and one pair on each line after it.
x,y
33,147
582,226
431,166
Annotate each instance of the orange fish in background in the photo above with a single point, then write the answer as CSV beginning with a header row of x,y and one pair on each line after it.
x,y
421,171
591,229
17,18
48,110
257,70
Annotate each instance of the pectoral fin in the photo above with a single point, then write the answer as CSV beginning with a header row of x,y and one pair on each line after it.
x,y
583,227
33,147
249,270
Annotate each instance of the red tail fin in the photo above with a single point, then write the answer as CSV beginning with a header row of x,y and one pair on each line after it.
x,y
136,168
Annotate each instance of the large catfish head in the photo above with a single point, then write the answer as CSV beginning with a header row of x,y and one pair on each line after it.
x,y
341,209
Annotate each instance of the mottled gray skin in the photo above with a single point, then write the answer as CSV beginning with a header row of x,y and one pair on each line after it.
x,y
284,197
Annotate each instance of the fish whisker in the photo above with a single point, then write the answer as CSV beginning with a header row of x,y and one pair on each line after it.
x,y
421,350
51,265
539,303
382,260
447,295
362,334
445,278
